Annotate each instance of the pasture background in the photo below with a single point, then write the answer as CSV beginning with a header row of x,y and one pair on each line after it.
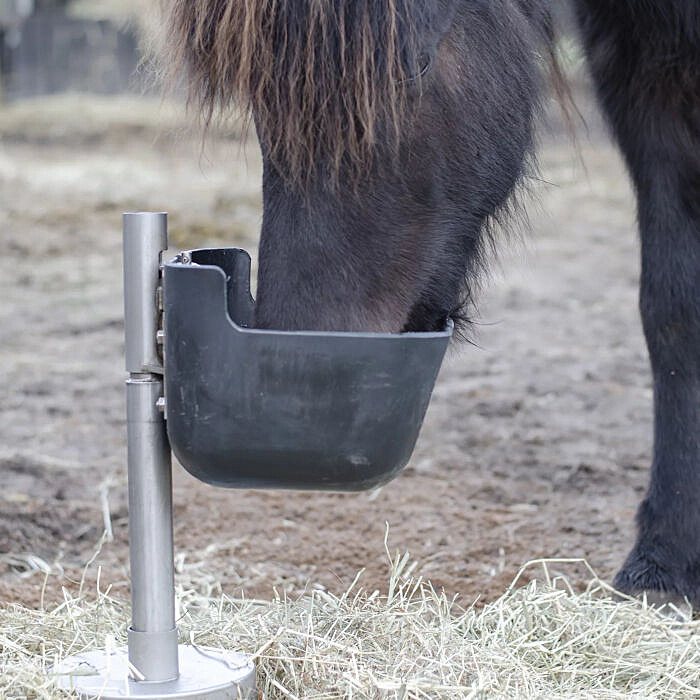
x,y
537,442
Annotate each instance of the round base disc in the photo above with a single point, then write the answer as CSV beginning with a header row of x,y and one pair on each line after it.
x,y
205,674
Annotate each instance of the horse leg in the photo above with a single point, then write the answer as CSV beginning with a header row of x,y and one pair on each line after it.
x,y
644,58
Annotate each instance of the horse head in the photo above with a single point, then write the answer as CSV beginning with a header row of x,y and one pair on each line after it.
x,y
393,133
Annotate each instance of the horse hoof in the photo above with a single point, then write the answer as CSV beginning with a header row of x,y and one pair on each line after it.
x,y
642,578
674,607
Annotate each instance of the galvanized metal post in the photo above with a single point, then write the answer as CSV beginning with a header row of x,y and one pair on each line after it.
x,y
152,635
145,237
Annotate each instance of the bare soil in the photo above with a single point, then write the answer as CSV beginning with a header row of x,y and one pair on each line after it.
x,y
537,441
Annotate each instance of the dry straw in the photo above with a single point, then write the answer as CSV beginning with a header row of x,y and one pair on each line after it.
x,y
539,640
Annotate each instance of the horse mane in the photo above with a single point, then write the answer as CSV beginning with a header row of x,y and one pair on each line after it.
x,y
326,81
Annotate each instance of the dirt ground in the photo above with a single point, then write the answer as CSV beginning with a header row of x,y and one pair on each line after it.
x,y
537,441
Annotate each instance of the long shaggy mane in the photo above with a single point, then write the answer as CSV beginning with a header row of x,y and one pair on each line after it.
x,y
325,81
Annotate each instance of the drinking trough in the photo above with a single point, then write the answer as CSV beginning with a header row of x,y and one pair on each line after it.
x,y
244,408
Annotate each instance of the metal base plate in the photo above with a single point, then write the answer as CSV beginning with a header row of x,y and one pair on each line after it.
x,y
205,674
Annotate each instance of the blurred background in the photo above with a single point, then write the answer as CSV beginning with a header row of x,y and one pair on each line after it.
x,y
53,46
537,441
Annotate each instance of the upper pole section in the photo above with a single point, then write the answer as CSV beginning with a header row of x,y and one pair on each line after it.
x,y
145,237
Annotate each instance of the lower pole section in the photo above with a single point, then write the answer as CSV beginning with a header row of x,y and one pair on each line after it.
x,y
152,635
154,666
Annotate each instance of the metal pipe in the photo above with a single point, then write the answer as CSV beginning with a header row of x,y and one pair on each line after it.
x,y
145,237
152,636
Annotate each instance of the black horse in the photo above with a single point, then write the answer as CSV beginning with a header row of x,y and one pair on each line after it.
x,y
394,132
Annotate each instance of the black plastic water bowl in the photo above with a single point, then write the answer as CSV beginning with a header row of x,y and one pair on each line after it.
x,y
250,408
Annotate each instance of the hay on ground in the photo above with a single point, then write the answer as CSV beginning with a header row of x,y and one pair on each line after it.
x,y
539,640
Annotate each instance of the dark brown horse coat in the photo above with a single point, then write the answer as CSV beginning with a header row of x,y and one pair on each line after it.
x,y
395,132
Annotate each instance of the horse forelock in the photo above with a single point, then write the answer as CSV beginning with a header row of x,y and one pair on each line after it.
x,y
326,81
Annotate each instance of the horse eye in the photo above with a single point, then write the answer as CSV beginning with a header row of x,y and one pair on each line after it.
x,y
426,62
